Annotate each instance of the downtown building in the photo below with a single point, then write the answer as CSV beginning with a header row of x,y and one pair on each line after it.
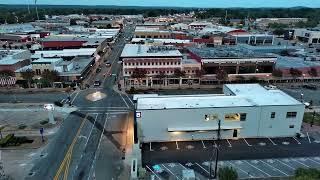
x,y
242,111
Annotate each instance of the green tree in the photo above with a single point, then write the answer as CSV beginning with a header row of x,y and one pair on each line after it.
x,y
50,76
279,31
307,174
139,73
178,73
161,76
295,73
73,22
277,73
200,73
227,173
240,78
313,72
28,76
221,75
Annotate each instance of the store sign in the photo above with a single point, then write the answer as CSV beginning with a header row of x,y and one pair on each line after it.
x,y
48,107
210,117
138,114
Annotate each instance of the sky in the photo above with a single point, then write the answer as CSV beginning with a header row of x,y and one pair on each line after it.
x,y
178,3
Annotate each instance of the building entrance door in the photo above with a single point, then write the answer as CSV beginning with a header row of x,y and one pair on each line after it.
x,y
235,133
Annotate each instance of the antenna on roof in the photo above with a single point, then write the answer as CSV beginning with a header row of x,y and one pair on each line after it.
x,y
28,5
35,3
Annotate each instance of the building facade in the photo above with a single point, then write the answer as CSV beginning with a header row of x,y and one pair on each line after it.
x,y
243,111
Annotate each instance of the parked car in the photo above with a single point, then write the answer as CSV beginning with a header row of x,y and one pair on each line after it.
x,y
309,86
98,70
97,83
108,64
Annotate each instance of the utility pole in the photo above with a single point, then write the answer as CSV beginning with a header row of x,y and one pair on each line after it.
x,y
35,3
216,153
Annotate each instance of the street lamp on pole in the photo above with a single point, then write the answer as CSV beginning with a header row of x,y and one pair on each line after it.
x,y
216,153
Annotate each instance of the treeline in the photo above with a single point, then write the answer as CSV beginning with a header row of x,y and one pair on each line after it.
x,y
242,13
20,13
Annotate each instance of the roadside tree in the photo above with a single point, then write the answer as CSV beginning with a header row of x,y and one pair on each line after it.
x,y
227,173
295,73
313,72
28,76
221,75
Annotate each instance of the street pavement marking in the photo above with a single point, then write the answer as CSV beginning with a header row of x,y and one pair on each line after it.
x,y
95,119
237,167
257,168
286,164
229,143
65,164
274,168
308,137
183,166
150,147
296,140
313,161
123,100
272,141
129,99
203,145
171,172
153,172
300,163
246,142
75,97
203,168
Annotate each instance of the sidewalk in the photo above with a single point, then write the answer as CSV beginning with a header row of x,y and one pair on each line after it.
x,y
31,90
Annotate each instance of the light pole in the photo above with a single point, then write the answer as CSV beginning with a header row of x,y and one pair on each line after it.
x,y
217,153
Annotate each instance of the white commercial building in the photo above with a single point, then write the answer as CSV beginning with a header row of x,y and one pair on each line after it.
x,y
244,111
310,36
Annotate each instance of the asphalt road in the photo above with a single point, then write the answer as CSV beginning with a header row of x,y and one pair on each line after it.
x,y
75,150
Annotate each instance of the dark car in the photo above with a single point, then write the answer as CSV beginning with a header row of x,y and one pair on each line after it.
x,y
108,64
98,70
309,86
97,83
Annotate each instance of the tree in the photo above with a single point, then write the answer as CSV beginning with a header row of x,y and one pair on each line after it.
x,y
73,22
161,76
295,72
200,73
240,78
313,72
227,173
221,75
6,73
279,32
28,75
139,73
307,174
277,73
50,76
109,26
284,53
178,73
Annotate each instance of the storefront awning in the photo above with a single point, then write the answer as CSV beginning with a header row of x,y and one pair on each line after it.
x,y
207,128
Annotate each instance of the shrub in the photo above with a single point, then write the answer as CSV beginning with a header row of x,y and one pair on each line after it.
x,y
22,126
44,122
310,174
4,141
57,103
227,173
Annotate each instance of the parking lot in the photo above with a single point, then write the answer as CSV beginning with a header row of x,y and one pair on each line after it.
x,y
252,158
258,168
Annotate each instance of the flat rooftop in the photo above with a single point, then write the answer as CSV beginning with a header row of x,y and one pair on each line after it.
x,y
219,52
80,64
244,95
10,57
138,50
168,41
65,53
47,61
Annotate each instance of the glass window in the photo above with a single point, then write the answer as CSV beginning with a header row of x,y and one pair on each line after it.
x,y
291,114
291,126
243,116
235,117
273,115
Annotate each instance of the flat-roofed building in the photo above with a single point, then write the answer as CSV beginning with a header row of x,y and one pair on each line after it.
x,y
310,36
154,59
264,22
14,59
243,110
255,39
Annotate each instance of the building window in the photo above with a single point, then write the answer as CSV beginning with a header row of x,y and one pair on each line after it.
x,y
38,72
152,72
148,64
156,63
160,63
144,63
291,126
168,63
235,117
141,64
157,72
152,63
273,115
291,114
171,63
175,63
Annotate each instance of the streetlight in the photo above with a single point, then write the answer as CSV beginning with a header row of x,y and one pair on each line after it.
x,y
301,96
217,153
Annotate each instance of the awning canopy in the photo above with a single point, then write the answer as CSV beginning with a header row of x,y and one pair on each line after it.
x,y
206,128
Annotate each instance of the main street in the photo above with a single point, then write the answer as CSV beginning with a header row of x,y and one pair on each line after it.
x,y
77,149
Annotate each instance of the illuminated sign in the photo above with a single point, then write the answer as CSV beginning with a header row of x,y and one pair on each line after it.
x,y
209,117
49,107
138,114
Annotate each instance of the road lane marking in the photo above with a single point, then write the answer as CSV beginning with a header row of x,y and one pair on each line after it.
x,y
69,152
171,172
203,144
66,171
123,100
286,164
229,143
183,166
308,137
153,172
272,141
313,161
237,167
129,99
95,119
296,140
274,168
300,163
257,168
177,145
75,97
246,142
150,146
203,168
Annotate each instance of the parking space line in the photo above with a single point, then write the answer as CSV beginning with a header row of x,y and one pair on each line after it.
x,y
229,143
93,125
203,145
308,137
274,168
177,145
286,164
153,172
246,142
257,168
272,141
170,171
237,167
203,168
296,140
215,144
150,147
183,166
313,161
300,163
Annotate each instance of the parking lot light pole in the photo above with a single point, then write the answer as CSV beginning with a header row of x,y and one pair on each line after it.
x,y
216,153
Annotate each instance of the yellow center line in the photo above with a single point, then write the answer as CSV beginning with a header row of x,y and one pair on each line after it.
x,y
69,152
66,170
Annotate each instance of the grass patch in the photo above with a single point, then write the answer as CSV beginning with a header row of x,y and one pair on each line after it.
x,y
11,140
22,126
44,122
308,116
